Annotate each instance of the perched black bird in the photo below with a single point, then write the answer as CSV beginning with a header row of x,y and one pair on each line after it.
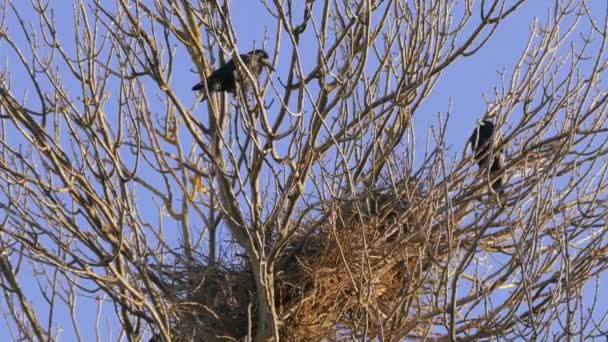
x,y
223,79
481,143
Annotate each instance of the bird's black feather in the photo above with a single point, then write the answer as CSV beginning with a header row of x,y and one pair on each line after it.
x,y
481,142
223,79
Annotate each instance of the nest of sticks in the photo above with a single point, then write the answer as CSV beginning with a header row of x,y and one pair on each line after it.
x,y
350,273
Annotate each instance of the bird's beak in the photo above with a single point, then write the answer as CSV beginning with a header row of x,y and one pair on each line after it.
x,y
266,63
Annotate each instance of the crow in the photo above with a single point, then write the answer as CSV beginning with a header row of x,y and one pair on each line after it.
x,y
223,79
481,142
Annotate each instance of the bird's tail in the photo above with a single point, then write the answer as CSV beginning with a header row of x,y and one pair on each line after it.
x,y
495,173
200,87
497,186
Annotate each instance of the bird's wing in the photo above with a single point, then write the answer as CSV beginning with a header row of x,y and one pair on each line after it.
x,y
473,140
216,75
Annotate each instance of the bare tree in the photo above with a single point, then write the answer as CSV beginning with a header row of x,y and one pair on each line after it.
x,y
295,208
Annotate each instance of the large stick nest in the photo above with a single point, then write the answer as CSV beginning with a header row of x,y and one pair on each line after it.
x,y
365,258
351,272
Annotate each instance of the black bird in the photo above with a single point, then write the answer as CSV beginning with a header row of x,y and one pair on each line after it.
x,y
481,142
223,79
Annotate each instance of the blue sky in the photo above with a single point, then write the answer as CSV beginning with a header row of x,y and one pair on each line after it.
x,y
461,86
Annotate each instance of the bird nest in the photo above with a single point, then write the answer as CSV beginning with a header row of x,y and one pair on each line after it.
x,y
367,256
214,305
347,275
